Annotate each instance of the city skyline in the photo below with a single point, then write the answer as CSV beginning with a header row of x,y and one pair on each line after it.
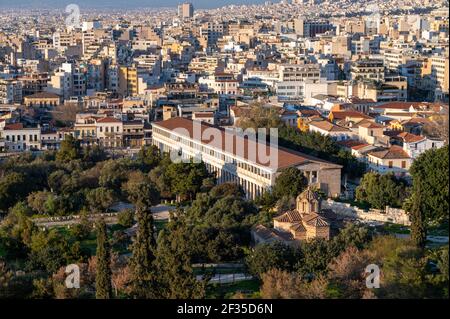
x,y
115,4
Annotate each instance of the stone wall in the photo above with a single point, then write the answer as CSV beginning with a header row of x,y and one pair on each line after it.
x,y
392,215
330,181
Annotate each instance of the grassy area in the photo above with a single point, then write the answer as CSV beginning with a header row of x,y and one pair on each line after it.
x,y
249,288
439,230
90,243
391,228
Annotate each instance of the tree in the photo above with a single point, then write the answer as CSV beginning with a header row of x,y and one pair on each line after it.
x,y
176,278
260,117
143,277
381,190
13,187
142,193
227,189
70,149
271,256
149,157
287,285
430,174
37,201
100,199
103,288
322,146
418,227
186,179
126,218
290,182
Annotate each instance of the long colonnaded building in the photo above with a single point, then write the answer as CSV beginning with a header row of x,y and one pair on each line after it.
x,y
232,157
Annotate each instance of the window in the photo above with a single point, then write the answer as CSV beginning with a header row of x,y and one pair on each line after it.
x,y
403,164
390,164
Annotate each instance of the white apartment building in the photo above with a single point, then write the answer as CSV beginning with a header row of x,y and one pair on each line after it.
x,y
10,91
18,138
292,78
109,131
220,83
390,160
415,145
235,163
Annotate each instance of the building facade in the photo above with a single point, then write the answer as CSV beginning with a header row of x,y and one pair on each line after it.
x,y
234,162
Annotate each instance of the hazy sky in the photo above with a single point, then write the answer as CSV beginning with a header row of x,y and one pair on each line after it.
x,y
120,3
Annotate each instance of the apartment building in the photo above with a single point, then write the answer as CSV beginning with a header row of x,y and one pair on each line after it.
x,y
10,91
390,160
18,138
292,80
369,69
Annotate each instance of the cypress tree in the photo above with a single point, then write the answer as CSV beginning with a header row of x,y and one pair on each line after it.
x,y
142,259
418,227
103,288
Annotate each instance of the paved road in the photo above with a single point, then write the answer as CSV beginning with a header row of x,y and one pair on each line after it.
x,y
160,212
226,278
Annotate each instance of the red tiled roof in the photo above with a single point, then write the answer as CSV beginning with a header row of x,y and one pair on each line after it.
x,y
353,144
109,120
289,217
394,152
370,124
340,115
14,126
241,146
410,138
328,126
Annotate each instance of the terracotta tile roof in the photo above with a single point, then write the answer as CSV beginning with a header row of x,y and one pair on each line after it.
x,y
14,126
416,120
353,144
370,124
286,157
339,115
290,216
315,220
394,105
298,227
204,114
410,138
240,111
270,233
394,152
328,126
109,120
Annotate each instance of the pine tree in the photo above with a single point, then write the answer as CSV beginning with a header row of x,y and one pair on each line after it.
x,y
177,280
103,286
141,262
418,227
